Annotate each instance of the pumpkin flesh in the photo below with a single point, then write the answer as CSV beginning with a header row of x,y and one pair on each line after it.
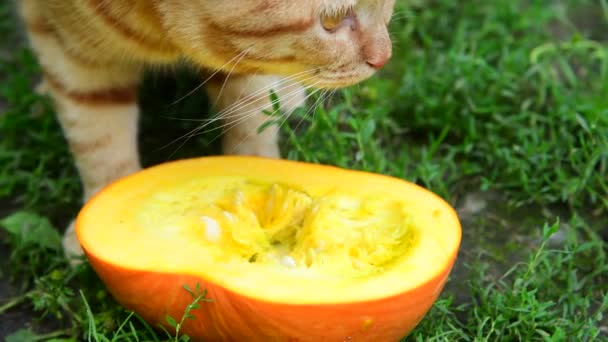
x,y
276,244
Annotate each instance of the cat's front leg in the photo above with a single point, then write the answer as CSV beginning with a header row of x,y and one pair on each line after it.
x,y
96,105
241,101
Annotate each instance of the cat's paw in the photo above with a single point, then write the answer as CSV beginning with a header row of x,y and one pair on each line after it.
x,y
71,246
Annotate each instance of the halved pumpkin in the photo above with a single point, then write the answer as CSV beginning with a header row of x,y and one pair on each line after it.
x,y
287,251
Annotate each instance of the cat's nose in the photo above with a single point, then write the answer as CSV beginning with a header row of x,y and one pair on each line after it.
x,y
377,50
378,60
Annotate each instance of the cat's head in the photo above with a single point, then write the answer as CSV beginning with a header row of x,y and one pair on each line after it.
x,y
324,43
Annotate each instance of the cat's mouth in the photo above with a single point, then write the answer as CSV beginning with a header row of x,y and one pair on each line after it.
x,y
337,81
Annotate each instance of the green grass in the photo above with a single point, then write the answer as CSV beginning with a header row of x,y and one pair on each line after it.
x,y
480,97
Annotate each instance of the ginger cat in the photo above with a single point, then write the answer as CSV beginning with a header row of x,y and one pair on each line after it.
x,y
93,53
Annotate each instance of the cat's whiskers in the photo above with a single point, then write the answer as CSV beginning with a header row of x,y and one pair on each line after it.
x,y
246,115
232,111
227,112
234,124
324,97
245,100
238,57
313,108
243,54
401,14
243,89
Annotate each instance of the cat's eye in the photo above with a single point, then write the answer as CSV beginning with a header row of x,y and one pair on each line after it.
x,y
333,21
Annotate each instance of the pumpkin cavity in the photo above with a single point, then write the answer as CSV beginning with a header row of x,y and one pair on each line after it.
x,y
271,224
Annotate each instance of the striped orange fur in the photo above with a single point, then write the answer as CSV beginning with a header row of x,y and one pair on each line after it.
x,y
93,53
